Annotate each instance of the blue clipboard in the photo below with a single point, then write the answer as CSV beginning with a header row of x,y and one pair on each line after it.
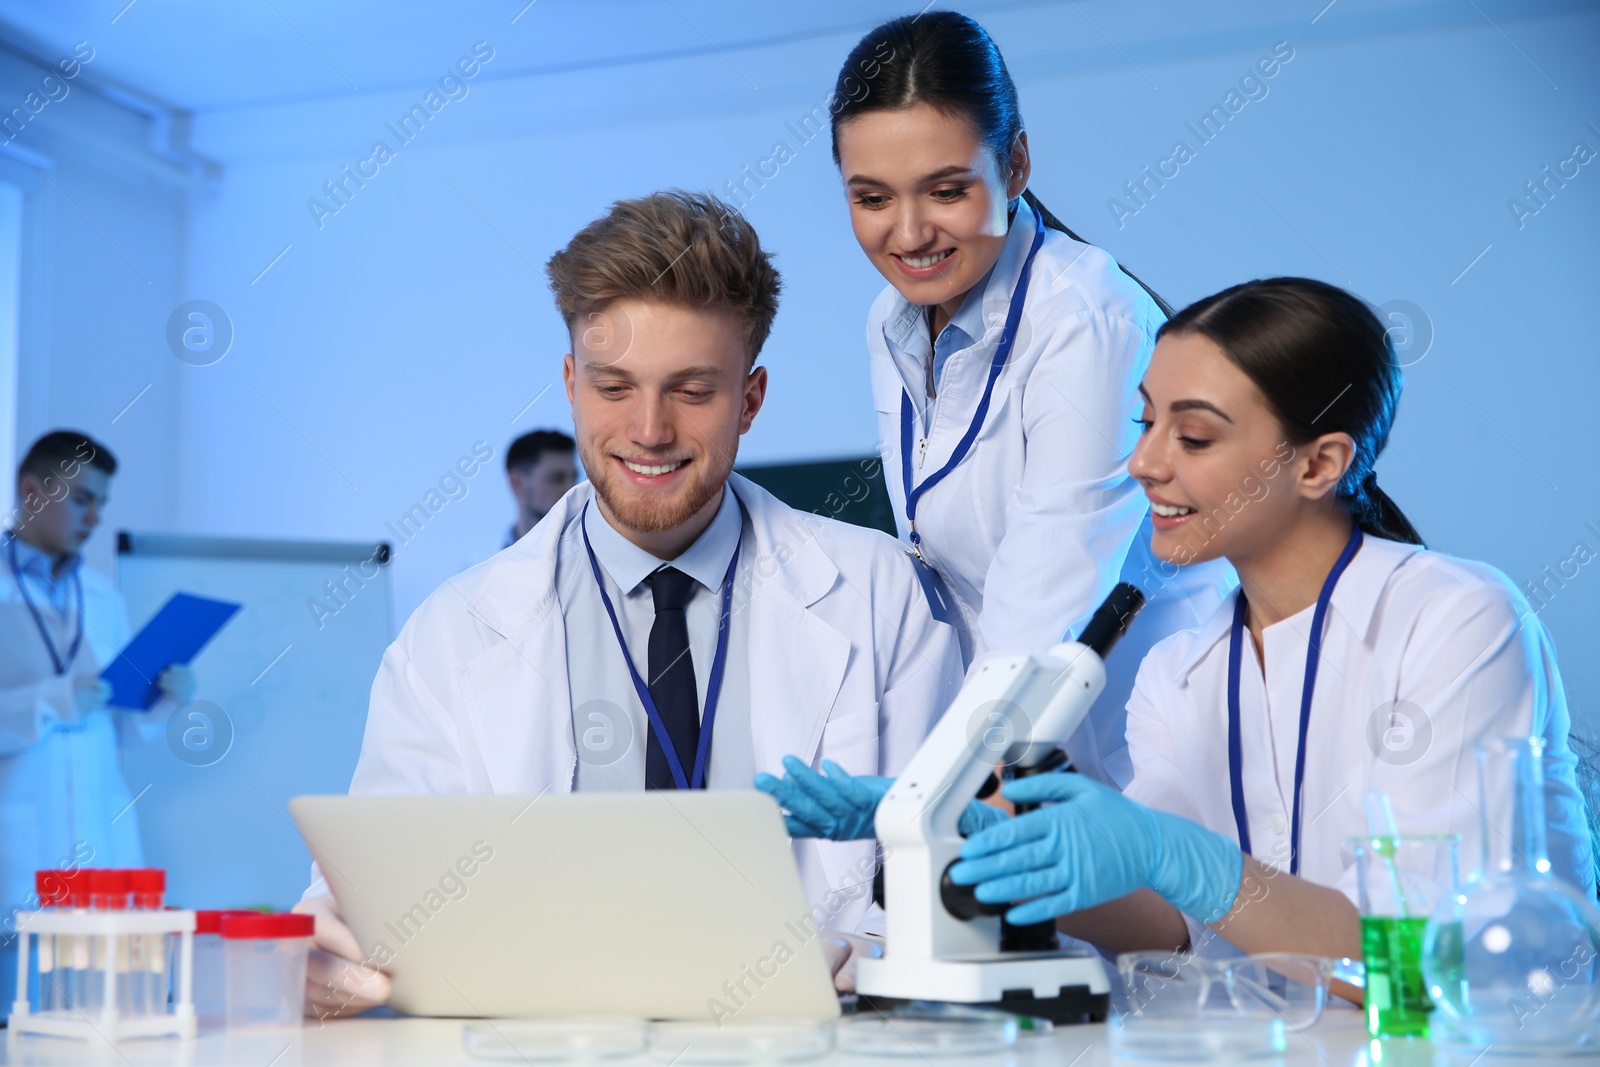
x,y
177,633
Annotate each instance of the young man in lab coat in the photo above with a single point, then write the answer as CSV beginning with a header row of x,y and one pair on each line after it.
x,y
63,801
515,676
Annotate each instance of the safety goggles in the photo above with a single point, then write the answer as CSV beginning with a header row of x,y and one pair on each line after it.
x,y
1271,985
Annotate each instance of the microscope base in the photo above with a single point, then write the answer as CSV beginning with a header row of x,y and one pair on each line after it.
x,y
1054,986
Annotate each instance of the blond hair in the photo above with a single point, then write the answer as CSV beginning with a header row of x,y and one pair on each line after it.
x,y
682,248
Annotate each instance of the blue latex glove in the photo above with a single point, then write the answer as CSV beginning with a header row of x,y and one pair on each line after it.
x,y
1093,845
840,806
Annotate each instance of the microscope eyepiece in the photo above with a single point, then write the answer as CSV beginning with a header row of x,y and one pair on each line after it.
x,y
1112,618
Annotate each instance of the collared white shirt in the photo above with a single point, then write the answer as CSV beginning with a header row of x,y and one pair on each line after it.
x,y
45,587
610,726
1423,655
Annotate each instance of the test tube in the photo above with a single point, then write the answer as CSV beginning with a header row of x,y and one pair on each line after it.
x,y
73,958
147,961
108,891
52,892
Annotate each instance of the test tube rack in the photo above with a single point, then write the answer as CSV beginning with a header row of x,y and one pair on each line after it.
x,y
108,933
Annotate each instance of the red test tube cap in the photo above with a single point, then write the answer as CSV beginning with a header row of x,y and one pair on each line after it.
x,y
108,880
51,887
147,880
77,882
148,885
109,888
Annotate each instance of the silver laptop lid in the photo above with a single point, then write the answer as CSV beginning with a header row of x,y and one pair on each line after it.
x,y
661,904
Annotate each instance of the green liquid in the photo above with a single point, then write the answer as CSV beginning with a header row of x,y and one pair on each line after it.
x,y
1397,1001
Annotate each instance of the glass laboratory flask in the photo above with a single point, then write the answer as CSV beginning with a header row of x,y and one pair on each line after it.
x,y
1513,959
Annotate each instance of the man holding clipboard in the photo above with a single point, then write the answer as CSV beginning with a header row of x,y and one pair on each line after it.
x,y
63,801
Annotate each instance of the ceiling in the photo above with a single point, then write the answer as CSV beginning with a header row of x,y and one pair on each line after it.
x,y
205,56
216,56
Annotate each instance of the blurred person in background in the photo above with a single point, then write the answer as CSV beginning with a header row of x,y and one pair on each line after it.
x,y
540,467
63,800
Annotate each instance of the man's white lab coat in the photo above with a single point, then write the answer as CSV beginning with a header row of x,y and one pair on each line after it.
x,y
846,663
63,800
60,787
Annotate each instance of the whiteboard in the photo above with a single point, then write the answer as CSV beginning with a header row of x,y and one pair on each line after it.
x,y
280,706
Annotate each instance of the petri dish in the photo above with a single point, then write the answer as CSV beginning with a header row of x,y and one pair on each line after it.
x,y
1208,1036
572,1040
908,1035
756,1040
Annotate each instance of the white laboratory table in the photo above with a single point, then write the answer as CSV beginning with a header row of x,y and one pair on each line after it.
x,y
1339,1040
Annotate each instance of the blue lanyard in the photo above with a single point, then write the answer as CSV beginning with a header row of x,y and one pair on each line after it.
x,y
1002,353
61,664
1313,654
713,685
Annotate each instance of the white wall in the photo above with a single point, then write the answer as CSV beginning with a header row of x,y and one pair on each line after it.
x,y
103,245
11,215
415,322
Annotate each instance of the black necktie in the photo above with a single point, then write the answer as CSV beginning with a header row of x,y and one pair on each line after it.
x,y
671,680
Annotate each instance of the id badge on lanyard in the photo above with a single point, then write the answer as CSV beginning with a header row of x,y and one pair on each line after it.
x,y
940,601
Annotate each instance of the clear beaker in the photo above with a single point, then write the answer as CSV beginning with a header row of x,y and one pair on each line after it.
x,y
1511,960
1400,879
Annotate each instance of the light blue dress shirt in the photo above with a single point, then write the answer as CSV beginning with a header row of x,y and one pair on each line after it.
x,y
610,727
44,586
965,328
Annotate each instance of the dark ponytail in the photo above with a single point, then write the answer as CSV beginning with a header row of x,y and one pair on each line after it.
x,y
1056,224
948,61
1376,513
1325,363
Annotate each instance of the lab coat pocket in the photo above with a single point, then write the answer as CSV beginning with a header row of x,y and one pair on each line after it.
x,y
851,741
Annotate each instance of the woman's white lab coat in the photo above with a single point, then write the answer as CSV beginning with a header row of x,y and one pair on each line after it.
x,y
1041,519
1423,655
846,663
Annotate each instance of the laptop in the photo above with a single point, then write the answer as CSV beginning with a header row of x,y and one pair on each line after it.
x,y
658,904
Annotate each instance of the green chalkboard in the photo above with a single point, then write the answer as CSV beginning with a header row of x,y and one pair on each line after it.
x,y
851,490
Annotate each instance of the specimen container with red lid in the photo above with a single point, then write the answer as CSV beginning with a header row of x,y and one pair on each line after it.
x,y
265,960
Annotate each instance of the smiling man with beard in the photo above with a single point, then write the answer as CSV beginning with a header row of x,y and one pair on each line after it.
x,y
669,624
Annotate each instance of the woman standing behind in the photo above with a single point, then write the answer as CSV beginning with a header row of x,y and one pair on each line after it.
x,y
1006,355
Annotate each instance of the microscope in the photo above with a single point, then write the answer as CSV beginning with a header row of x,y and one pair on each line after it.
x,y
942,943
